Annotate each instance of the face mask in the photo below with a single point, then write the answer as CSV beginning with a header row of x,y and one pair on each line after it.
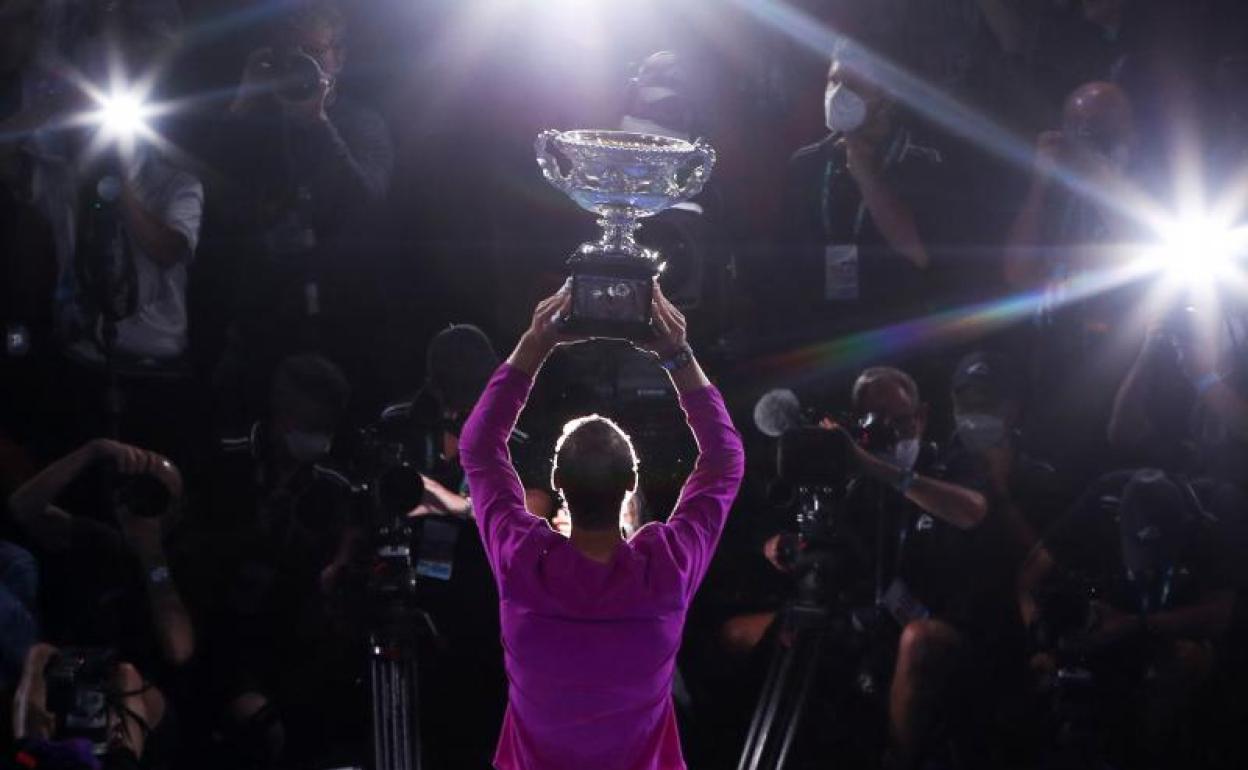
x,y
642,126
980,432
844,111
905,453
306,446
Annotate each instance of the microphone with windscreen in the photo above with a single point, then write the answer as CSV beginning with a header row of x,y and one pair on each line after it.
x,y
779,411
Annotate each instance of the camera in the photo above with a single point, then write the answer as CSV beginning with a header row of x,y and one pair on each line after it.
x,y
817,457
294,76
79,691
144,496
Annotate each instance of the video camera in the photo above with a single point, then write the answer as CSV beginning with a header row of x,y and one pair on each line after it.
x,y
818,457
79,692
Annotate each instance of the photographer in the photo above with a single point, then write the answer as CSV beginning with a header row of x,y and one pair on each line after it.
x,y
575,607
1182,405
1135,585
108,591
930,539
117,223
864,210
268,525
1066,233
307,168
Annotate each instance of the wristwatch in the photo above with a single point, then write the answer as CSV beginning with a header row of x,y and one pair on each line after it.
x,y
158,575
678,360
905,482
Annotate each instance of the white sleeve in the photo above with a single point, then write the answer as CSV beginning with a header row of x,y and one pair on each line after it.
x,y
184,208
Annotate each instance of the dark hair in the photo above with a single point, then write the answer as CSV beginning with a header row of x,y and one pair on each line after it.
x,y
308,12
458,366
312,377
595,468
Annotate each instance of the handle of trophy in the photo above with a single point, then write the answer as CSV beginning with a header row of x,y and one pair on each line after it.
x,y
704,155
547,163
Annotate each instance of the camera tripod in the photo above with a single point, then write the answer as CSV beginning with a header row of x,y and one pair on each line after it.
x,y
398,626
812,623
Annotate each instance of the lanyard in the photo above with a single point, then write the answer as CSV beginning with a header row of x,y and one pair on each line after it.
x,y
896,151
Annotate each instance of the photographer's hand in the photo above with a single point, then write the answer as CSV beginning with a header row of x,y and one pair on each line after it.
x,y
32,504
1111,626
256,71
31,718
439,499
312,109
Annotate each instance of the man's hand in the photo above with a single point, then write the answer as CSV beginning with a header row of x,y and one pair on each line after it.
x,y
861,458
31,718
312,109
1000,465
670,326
861,157
544,333
130,460
133,461
1050,153
1110,627
440,500
544,328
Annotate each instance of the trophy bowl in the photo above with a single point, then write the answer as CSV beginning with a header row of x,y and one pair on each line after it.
x,y
622,177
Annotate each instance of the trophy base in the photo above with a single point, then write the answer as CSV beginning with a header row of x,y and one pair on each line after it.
x,y
611,297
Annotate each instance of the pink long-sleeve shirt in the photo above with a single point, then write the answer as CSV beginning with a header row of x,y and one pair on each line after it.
x,y
591,648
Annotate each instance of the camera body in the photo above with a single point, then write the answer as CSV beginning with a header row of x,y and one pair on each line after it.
x,y
293,75
78,692
817,457
143,495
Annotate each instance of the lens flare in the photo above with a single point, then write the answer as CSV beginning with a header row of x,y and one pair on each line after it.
x,y
123,116
1198,250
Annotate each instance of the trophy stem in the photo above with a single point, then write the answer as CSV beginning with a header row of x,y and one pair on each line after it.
x,y
619,237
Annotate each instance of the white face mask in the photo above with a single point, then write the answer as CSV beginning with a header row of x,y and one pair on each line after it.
x,y
905,453
980,432
844,111
306,447
637,125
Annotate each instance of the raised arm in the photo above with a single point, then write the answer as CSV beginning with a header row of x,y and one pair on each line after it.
x,y
709,492
493,485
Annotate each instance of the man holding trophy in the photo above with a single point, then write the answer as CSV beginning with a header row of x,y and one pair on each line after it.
x,y
592,622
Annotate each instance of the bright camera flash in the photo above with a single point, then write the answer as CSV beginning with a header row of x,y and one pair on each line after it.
x,y
122,116
1197,251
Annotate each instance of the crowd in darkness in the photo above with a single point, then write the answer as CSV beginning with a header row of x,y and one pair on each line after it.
x,y
1022,495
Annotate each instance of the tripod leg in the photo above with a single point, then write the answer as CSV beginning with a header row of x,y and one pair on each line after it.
x,y
379,721
769,704
807,667
413,716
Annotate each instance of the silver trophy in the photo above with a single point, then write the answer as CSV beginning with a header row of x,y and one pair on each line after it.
x,y
622,177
